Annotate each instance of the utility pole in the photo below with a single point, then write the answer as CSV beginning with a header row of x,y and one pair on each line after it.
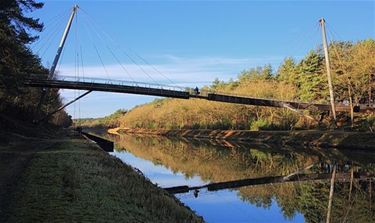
x,y
326,55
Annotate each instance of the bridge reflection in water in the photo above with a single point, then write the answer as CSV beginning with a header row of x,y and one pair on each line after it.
x,y
263,179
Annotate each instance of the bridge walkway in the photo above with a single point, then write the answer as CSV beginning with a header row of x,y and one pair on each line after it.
x,y
97,84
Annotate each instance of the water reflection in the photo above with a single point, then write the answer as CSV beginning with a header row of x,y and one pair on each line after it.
x,y
304,197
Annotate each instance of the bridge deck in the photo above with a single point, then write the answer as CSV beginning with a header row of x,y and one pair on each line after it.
x,y
178,92
273,103
107,87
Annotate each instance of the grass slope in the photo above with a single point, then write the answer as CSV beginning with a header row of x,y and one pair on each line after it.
x,y
72,180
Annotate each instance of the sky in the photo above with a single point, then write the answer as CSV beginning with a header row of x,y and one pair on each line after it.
x,y
185,43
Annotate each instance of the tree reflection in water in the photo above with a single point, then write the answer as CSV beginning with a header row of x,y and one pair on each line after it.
x,y
218,161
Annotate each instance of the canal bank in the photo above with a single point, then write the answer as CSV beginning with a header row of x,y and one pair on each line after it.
x,y
303,138
70,179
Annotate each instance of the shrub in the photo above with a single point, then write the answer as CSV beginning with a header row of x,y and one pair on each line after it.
x,y
260,124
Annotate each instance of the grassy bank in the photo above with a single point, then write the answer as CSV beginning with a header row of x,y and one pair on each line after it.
x,y
336,139
69,179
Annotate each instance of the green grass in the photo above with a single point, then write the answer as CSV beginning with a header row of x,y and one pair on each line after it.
x,y
74,181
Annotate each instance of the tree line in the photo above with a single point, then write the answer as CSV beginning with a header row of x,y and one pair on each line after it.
x,y
352,67
17,61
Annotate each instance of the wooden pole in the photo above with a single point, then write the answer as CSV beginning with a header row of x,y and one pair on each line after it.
x,y
326,55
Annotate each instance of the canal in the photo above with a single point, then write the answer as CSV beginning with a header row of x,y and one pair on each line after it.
x,y
302,194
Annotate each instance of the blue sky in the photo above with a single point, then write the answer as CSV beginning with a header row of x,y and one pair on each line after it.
x,y
189,42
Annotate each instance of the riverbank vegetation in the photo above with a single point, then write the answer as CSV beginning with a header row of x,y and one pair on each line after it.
x,y
353,66
109,121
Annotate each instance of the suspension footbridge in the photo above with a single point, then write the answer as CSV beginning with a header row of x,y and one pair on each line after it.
x,y
117,86
52,80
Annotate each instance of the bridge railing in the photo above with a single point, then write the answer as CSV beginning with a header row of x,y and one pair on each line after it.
x,y
254,96
205,92
191,91
340,103
91,80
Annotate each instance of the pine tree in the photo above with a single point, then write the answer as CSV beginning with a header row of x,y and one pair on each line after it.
x,y
312,81
15,57
287,72
266,73
258,73
17,61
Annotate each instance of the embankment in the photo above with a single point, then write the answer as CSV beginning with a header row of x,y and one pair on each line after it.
x,y
70,179
305,138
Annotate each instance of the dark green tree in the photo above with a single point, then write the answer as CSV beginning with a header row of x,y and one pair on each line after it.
x,y
17,61
266,73
287,72
312,81
258,73
15,57
217,84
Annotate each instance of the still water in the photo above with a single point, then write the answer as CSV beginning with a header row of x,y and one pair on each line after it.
x,y
292,185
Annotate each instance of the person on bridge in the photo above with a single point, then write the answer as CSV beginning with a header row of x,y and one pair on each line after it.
x,y
196,90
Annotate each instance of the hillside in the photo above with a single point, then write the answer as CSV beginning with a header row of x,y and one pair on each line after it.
x,y
202,114
353,66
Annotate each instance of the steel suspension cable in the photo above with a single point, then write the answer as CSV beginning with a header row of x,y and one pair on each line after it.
x,y
83,69
112,52
96,50
49,39
140,67
342,65
52,22
119,47
305,37
80,66
75,67
153,67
